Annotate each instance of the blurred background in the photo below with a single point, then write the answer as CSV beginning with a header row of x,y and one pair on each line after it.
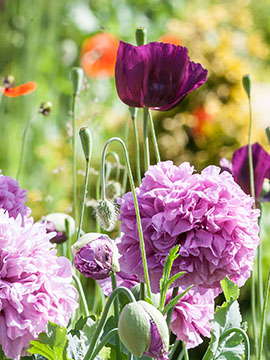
x,y
42,40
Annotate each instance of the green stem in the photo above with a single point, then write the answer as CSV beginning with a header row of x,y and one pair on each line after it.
x,y
117,160
103,342
263,319
169,315
86,179
174,349
137,145
116,316
146,139
153,133
103,318
186,357
259,266
23,146
82,295
97,197
74,158
125,176
136,205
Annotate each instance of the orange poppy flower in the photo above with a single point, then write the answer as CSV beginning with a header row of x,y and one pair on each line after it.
x,y
170,39
20,90
98,55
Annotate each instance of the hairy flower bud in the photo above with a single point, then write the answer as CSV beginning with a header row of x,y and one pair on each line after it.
x,y
59,223
96,256
143,330
106,215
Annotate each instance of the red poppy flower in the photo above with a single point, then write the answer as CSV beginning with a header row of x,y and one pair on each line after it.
x,y
203,118
20,90
98,55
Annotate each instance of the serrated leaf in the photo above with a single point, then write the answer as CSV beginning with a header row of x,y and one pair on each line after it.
x,y
230,289
52,344
226,317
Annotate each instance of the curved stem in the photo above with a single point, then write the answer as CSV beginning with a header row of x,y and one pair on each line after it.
x,y
23,146
153,133
116,316
74,159
82,295
263,319
117,160
136,205
146,139
97,197
137,145
245,337
103,318
103,342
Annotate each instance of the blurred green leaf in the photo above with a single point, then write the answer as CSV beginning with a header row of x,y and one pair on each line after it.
x,y
230,289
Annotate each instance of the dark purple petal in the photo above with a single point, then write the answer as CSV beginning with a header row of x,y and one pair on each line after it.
x,y
156,75
129,74
261,164
156,348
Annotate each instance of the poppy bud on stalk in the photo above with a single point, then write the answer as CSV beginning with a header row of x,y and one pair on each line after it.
x,y
77,80
144,331
56,222
106,214
113,189
96,256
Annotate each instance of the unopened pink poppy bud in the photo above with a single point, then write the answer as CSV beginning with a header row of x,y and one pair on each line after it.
x,y
144,331
58,223
96,256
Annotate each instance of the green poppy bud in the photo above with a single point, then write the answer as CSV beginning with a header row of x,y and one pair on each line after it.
x,y
144,331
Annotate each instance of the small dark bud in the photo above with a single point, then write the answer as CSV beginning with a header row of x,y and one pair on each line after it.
x,y
45,108
8,81
141,36
246,81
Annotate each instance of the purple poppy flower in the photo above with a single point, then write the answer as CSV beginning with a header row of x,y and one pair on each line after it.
x,y
156,75
240,168
95,256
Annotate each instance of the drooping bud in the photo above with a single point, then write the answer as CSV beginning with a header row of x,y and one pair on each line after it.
x,y
96,256
113,190
144,331
45,108
57,222
106,215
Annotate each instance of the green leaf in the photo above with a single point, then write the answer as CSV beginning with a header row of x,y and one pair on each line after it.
x,y
175,277
52,344
224,347
230,289
175,300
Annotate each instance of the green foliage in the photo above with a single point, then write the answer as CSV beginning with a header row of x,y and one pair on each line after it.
x,y
230,289
52,344
225,345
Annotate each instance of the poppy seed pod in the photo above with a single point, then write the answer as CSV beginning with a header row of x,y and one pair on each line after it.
x,y
96,256
58,222
106,214
144,331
